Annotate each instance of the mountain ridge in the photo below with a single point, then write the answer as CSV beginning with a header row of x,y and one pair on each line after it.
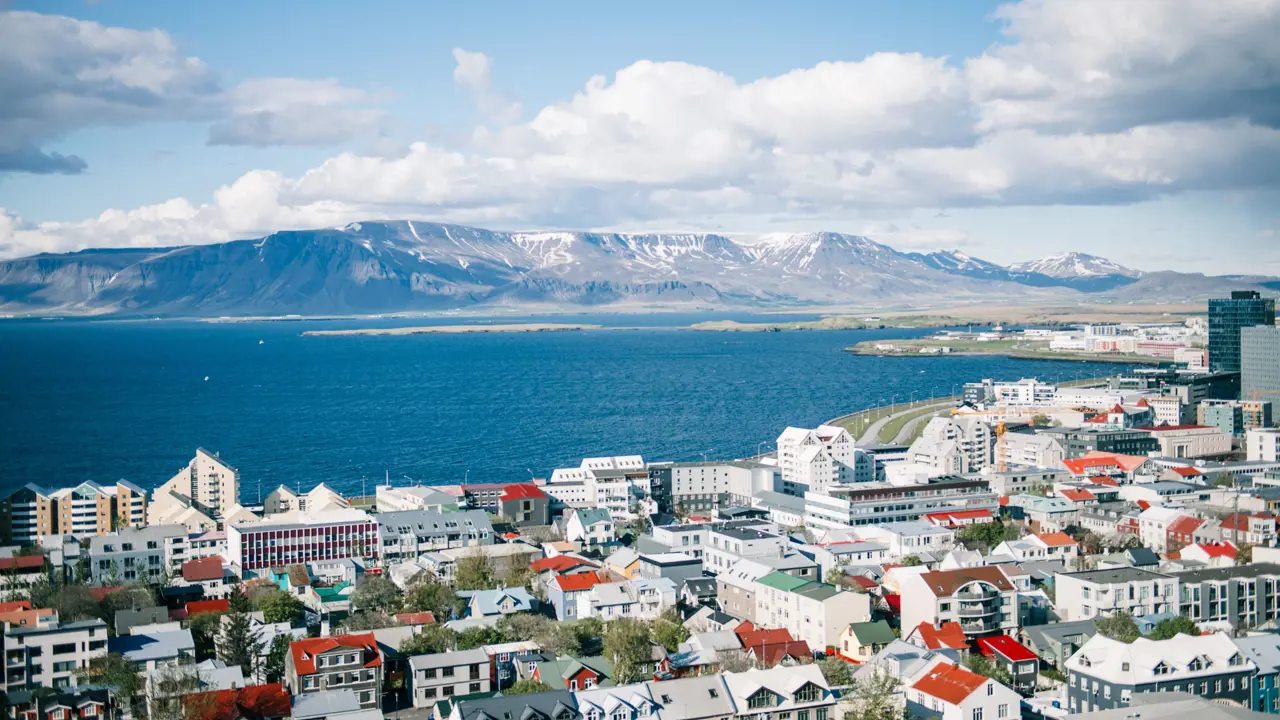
x,y
407,266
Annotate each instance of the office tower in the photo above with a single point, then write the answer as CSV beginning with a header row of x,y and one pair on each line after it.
x,y
1245,308
1260,363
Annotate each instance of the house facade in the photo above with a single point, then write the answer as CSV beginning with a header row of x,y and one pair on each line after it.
x,y
444,675
341,661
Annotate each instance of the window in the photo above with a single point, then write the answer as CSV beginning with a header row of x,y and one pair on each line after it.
x,y
430,672
430,692
808,693
1002,711
1124,666
447,691
446,672
991,689
620,713
475,688
589,683
977,713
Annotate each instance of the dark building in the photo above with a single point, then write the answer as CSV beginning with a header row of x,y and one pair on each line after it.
x,y
1192,388
1247,596
1076,442
1260,364
524,505
1245,308
976,393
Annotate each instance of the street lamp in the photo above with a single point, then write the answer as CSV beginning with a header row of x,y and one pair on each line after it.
x,y
912,397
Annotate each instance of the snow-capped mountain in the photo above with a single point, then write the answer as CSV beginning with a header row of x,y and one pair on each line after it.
x,y
1074,265
379,267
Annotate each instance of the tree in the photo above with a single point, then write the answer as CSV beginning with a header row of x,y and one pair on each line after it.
x,y
669,631
273,668
911,561
73,602
1119,626
988,534
1244,554
873,696
365,621
238,601
277,605
835,576
239,644
1091,543
114,670
475,571
1224,480
735,661
626,643
474,637
518,575
835,671
376,592
987,668
1171,627
1040,419
204,630
129,597
430,640
526,686
428,595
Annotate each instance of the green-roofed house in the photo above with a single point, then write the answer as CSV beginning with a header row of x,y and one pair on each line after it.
x,y
861,641
814,612
570,673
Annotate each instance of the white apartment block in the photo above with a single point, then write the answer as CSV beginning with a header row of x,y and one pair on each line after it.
x,y
968,436
983,600
51,654
1028,450
613,483
904,539
1153,526
139,554
689,539
878,502
816,458
725,547
1098,593
1094,398
1027,392
210,484
1168,409
1262,445
814,612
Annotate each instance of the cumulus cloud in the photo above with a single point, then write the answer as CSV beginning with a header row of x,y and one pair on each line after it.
x,y
473,73
1079,104
59,75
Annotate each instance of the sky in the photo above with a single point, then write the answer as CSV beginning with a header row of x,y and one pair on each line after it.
x,y
1145,132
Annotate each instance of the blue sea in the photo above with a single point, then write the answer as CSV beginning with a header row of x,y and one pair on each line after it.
x,y
106,400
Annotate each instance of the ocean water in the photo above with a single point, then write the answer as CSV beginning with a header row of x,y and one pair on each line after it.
x,y
106,400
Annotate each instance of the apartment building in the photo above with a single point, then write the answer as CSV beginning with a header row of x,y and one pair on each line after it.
x,y
300,537
966,443
983,600
905,539
207,482
341,661
407,534
817,458
1079,441
1262,445
781,692
82,511
285,499
416,497
441,676
736,589
1097,593
726,546
1028,449
613,483
698,486
50,654
950,692
880,502
1246,597
814,612
1027,392
138,554
1189,441
642,598
1105,674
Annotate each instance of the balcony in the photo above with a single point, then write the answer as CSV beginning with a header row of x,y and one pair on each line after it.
x,y
977,608
976,593
979,627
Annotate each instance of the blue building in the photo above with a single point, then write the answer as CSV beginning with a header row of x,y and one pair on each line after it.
x,y
1264,651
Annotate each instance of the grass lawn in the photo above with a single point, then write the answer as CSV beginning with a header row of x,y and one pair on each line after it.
x,y
890,430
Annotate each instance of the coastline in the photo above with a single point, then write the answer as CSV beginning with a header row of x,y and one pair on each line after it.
x,y
454,329
911,348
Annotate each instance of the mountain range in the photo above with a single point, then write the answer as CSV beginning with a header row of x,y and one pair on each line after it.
x,y
406,266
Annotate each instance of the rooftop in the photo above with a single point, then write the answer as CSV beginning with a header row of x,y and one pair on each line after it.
x,y
1116,575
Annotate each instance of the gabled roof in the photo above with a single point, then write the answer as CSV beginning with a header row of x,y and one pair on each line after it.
x,y
522,491
1007,647
1184,525
577,581
196,607
1078,495
560,563
208,568
305,651
1217,550
949,635
416,618
1058,539
949,683
1187,471
944,583
872,633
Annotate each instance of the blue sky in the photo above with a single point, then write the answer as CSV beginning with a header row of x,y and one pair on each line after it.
x,y
1144,133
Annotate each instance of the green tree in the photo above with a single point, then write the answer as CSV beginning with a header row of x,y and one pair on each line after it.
x,y
873,696
988,534
114,670
365,621
835,671
277,605
835,576
626,643
1119,626
911,561
376,592
239,601
1171,627
1040,420
526,686
669,631
428,595
1224,480
519,575
274,667
1091,543
1244,554
239,644
129,597
475,571
430,640
474,637
988,668
73,602
204,630
589,628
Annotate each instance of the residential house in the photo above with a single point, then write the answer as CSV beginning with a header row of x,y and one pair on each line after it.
x,y
135,554
593,527
951,692
625,562
783,692
89,702
814,612
726,546
127,619
769,647
698,591
339,661
688,539
693,698
417,497
1056,642
948,636
570,595
1153,526
1044,546
860,641
674,566
406,534
1214,554
51,653
503,601
736,589
982,599
1182,532
552,705
208,574
911,538
624,702
445,675
524,505
1096,593
1022,665
1105,674
1044,514
642,599
1255,529
1264,650
571,673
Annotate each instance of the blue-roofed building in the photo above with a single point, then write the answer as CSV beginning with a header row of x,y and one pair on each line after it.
x,y
1264,651
503,601
155,649
593,527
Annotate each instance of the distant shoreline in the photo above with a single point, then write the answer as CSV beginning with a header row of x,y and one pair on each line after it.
x,y
455,329
911,349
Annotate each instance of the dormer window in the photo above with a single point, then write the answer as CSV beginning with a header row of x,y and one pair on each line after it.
x,y
1161,669
1236,660
1196,665
593,714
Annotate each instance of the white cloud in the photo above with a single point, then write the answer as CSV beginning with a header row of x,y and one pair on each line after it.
x,y
289,111
1073,108
474,73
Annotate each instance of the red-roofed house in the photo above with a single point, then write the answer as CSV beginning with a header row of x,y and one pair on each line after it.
x,y
525,504
195,607
1079,497
562,565
772,646
207,573
571,594
256,702
22,570
954,693
341,661
416,619
959,518
1096,462
1182,532
1256,529
1021,664
1104,481
948,636
1183,473
1220,554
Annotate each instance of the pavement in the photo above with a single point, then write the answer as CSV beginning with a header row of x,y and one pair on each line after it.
x,y
872,433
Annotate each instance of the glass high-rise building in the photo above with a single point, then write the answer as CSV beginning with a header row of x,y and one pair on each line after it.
x,y
1245,308
1260,364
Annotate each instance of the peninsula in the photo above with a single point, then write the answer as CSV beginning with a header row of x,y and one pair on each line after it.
x,y
456,329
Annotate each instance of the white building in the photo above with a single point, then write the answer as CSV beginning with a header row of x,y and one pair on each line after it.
x,y
321,497
1045,546
51,654
1094,398
1028,450
298,537
726,546
984,600
616,484
1153,526
1190,441
641,599
816,458
207,483
1027,392
417,497
905,539
1096,593
970,438
951,692
1262,445
781,692
814,612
